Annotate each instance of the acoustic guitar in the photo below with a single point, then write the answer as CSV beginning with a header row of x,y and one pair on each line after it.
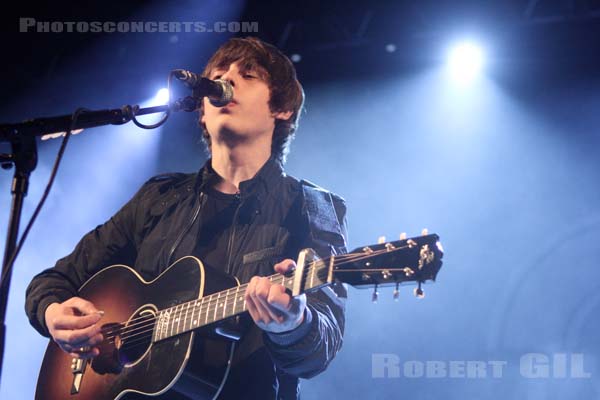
x,y
150,326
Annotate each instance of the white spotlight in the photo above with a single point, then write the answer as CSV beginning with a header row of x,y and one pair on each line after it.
x,y
162,97
465,61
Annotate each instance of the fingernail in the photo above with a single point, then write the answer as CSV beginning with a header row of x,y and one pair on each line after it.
x,y
101,313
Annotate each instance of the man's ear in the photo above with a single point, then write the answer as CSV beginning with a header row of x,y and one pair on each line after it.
x,y
283,115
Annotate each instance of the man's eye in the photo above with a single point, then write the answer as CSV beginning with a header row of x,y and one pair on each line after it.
x,y
216,77
249,76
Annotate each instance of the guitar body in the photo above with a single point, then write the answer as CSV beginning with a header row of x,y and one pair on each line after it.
x,y
134,363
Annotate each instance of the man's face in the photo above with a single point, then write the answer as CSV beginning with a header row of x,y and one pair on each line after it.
x,y
248,116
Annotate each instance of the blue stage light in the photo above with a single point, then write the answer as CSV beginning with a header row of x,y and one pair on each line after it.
x,y
465,61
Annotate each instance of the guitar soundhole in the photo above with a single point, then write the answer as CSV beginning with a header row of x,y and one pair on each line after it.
x,y
135,337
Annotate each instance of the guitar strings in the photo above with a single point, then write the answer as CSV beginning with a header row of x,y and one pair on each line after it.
x,y
147,322
210,299
213,298
204,302
203,313
150,322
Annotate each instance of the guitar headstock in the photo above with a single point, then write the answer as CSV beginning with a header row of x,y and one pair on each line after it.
x,y
416,259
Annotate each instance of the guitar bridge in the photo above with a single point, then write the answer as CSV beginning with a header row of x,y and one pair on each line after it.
x,y
77,368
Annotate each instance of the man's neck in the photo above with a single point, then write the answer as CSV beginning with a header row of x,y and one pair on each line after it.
x,y
237,164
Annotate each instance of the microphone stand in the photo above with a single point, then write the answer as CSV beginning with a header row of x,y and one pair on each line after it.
x,y
22,135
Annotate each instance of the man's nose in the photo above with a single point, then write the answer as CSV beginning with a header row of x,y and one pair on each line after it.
x,y
229,76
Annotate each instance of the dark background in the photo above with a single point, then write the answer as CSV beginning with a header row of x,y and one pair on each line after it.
x,y
506,170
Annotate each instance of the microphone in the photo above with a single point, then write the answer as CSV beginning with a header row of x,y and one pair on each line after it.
x,y
219,92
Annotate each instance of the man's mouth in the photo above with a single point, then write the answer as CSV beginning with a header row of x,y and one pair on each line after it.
x,y
229,105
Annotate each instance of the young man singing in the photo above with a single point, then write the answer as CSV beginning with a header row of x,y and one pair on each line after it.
x,y
240,214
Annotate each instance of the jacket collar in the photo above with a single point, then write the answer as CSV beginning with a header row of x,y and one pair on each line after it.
x,y
262,183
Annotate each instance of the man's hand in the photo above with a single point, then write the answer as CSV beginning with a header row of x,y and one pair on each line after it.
x,y
74,326
270,306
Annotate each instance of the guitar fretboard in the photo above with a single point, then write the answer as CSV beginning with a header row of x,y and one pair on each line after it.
x,y
219,306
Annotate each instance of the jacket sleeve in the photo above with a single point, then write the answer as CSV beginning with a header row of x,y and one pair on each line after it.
x,y
110,243
307,350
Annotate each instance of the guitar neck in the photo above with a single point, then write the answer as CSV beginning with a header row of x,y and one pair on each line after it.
x,y
228,303
406,260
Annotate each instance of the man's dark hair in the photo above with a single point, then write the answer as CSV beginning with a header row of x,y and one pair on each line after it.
x,y
277,71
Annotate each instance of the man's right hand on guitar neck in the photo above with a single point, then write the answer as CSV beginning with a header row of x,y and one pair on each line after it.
x,y
74,326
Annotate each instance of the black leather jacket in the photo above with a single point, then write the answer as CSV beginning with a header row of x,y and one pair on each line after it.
x,y
278,215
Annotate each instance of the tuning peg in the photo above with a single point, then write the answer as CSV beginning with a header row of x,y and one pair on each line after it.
x,y
396,292
403,236
424,232
381,240
419,292
375,296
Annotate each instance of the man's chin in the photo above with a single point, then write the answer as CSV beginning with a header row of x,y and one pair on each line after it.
x,y
231,135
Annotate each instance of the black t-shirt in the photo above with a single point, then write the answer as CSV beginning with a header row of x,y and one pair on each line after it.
x,y
214,231
216,218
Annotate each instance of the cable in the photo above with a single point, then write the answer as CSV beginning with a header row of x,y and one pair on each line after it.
x,y
59,156
132,111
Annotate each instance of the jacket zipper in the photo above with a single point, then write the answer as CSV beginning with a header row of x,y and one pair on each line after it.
x,y
187,228
231,237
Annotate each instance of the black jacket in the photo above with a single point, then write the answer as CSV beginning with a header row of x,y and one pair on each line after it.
x,y
278,215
